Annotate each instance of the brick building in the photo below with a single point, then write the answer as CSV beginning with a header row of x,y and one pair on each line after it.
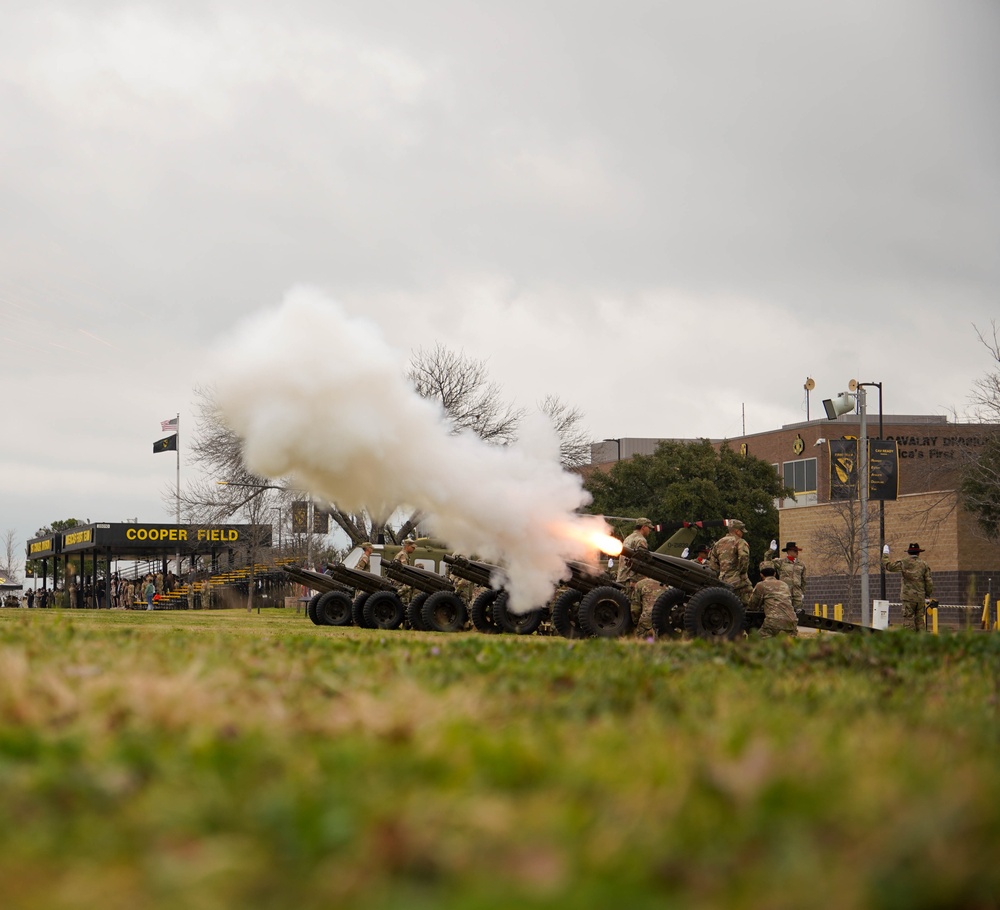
x,y
931,453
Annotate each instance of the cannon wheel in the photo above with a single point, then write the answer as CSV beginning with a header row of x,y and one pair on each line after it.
x,y
384,610
605,612
565,619
311,609
663,609
334,609
715,612
516,623
444,611
358,610
482,612
413,609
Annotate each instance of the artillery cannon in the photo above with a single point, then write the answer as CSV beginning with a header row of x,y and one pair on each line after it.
x,y
591,605
694,602
488,612
377,605
438,607
333,605
697,603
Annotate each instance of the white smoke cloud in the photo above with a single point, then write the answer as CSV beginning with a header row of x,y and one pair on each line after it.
x,y
319,397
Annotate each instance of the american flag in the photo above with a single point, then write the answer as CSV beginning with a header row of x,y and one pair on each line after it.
x,y
172,424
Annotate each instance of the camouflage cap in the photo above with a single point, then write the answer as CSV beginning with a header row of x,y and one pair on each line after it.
x,y
735,524
409,542
641,522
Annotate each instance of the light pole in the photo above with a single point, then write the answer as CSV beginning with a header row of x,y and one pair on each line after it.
x,y
833,410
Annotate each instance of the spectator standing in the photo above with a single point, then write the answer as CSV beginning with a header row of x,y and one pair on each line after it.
x,y
149,592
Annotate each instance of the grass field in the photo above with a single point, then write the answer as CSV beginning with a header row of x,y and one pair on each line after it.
x,y
220,759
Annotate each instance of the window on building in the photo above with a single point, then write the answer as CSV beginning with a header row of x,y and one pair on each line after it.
x,y
801,475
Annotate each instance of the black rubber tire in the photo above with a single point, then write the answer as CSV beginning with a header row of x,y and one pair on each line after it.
x,y
358,610
384,610
668,621
311,609
605,612
565,618
444,611
715,612
413,608
481,612
335,609
516,623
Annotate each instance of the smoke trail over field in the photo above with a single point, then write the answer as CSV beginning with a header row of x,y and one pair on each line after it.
x,y
319,397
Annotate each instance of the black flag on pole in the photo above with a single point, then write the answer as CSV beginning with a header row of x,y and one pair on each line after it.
x,y
843,468
167,444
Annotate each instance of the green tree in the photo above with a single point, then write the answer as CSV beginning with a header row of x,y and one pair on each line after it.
x,y
691,481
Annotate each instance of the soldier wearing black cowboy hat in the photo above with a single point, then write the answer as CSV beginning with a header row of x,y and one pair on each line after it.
x,y
916,587
791,570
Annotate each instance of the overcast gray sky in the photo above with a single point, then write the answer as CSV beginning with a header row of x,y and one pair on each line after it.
x,y
662,212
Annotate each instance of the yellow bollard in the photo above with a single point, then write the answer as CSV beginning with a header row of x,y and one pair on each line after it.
x,y
824,611
816,610
934,619
985,621
838,612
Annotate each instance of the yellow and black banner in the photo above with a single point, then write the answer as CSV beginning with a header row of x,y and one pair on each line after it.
x,y
883,469
300,517
321,521
167,444
843,468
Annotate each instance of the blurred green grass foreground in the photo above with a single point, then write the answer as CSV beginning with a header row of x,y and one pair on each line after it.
x,y
203,760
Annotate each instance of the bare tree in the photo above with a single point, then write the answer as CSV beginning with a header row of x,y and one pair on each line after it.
x,y
9,560
839,541
985,399
461,385
980,480
574,440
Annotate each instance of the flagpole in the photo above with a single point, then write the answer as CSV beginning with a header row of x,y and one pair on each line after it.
x,y
178,450
178,492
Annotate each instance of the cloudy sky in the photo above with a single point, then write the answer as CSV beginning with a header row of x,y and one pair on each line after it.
x,y
666,213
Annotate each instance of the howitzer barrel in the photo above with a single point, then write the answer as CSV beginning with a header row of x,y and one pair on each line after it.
x,y
358,580
585,578
421,579
479,573
315,580
684,574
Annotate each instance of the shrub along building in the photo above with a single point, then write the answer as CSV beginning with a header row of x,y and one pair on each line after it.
x,y
818,460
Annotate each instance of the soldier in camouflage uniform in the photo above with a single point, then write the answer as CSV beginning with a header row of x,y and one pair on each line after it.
x,y
790,570
916,586
365,563
405,557
464,588
773,596
730,559
642,592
